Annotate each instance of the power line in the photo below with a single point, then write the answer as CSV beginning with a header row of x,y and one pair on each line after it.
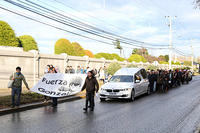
x,y
180,52
72,25
58,28
112,33
26,16
103,22
91,32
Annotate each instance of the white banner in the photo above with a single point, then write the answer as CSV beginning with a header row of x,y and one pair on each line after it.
x,y
59,85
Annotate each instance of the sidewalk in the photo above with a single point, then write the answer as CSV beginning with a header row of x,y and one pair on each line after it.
x,y
40,104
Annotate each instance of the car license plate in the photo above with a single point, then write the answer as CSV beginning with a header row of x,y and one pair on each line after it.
x,y
112,93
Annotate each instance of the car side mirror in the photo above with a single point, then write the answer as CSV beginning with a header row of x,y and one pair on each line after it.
x,y
137,81
106,81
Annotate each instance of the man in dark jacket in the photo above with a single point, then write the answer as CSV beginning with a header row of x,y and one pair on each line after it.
x,y
151,78
91,85
179,77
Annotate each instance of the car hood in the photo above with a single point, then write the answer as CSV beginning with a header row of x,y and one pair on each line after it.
x,y
117,85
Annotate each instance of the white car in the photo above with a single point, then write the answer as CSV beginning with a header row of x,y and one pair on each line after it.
x,y
126,83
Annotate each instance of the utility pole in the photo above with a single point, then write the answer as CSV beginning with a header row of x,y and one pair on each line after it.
x,y
175,57
170,41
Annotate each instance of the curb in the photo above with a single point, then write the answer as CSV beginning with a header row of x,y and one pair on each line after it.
x,y
36,105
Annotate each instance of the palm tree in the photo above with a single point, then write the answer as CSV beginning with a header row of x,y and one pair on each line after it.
x,y
118,46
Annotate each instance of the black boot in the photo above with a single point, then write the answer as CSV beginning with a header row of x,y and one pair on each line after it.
x,y
91,109
85,110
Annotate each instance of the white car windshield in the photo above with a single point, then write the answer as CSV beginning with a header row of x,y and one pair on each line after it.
x,y
121,78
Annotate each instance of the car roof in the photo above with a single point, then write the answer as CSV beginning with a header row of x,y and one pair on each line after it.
x,y
127,71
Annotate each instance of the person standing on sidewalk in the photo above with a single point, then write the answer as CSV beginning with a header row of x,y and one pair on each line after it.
x,y
91,85
18,77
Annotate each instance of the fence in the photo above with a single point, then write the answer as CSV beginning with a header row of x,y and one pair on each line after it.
x,y
33,64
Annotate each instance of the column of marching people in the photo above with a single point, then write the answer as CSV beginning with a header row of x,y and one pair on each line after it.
x,y
162,80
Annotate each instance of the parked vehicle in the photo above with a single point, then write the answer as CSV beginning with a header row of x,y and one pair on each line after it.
x,y
126,83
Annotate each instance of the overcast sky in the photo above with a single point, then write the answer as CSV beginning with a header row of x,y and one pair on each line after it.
x,y
142,20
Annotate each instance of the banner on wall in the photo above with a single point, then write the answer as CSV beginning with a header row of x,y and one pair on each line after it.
x,y
59,85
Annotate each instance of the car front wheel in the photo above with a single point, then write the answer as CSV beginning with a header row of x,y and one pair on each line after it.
x,y
132,98
148,91
102,99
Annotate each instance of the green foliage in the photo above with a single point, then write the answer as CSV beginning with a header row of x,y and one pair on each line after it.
x,y
142,51
176,63
135,51
152,67
77,49
164,58
26,98
187,63
7,35
117,44
63,46
103,55
173,63
113,67
109,56
28,43
187,68
117,57
136,58
131,65
163,62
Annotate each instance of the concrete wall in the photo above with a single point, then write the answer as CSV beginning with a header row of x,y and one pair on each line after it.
x,y
32,62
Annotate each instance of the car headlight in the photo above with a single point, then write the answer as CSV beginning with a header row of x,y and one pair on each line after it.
x,y
103,89
126,89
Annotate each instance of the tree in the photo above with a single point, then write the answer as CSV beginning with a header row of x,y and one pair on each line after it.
x,y
89,53
150,58
109,56
187,63
7,35
164,58
137,58
142,51
117,57
77,49
113,67
176,63
131,65
118,46
135,51
63,46
28,42
103,55
152,67
163,62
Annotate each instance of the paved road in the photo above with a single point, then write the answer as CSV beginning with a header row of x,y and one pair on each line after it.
x,y
174,112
